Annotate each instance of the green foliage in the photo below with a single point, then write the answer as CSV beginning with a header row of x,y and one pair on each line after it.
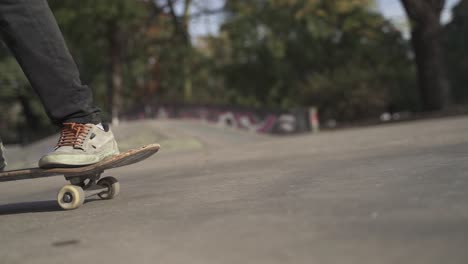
x,y
456,43
337,55
20,109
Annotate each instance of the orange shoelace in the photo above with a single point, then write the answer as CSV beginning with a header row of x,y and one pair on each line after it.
x,y
73,134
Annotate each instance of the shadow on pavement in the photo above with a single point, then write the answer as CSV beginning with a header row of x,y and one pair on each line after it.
x,y
29,207
34,207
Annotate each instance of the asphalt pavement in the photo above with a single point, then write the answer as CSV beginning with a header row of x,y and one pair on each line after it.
x,y
387,194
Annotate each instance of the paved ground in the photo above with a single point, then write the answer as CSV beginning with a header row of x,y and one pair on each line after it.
x,y
389,194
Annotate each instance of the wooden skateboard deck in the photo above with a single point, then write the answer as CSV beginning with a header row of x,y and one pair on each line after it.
x,y
85,178
123,159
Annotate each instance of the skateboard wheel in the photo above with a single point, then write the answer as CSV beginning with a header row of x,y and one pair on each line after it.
x,y
70,197
112,186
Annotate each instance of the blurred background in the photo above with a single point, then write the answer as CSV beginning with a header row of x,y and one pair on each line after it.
x,y
214,82
270,66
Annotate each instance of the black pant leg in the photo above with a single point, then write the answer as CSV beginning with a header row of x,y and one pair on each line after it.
x,y
31,32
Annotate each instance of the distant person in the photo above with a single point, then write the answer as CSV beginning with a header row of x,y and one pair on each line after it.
x,y
30,31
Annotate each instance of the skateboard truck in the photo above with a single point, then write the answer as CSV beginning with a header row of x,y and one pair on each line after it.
x,y
73,195
80,180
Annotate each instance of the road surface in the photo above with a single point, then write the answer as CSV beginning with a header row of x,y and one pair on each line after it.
x,y
387,194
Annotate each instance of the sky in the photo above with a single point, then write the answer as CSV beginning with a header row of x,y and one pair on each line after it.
x,y
207,25
391,9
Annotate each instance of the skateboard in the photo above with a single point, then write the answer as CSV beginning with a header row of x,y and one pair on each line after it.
x,y
85,181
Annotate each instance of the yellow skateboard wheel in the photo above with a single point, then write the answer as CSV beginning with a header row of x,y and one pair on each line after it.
x,y
112,188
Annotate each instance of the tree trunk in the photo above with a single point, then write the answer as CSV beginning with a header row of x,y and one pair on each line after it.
x,y
188,52
426,36
116,71
181,26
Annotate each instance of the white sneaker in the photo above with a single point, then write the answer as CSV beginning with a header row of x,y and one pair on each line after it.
x,y
81,145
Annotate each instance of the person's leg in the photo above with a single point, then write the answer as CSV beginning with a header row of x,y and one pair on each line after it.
x,y
31,32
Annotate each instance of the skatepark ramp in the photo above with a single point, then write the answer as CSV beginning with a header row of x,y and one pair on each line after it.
x,y
173,135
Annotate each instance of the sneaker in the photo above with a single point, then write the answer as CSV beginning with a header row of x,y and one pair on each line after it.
x,y
81,145
2,157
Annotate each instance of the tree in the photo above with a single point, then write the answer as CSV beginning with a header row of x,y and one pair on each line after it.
x,y
335,54
180,38
426,37
455,44
22,117
181,33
